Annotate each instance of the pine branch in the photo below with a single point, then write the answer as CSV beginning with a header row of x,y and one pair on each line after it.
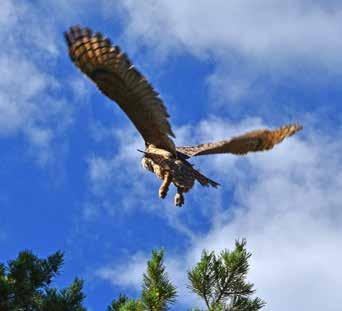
x,y
157,291
221,279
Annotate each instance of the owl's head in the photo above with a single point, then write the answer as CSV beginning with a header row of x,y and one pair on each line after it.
x,y
147,164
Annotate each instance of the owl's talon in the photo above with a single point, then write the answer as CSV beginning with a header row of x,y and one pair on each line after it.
x,y
179,199
163,192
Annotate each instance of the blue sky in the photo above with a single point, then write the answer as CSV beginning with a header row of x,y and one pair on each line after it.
x,y
71,177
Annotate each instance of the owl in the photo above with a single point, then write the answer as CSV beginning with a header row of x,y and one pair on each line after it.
x,y
115,76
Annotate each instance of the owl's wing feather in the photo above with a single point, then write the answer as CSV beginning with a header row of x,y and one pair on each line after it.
x,y
118,79
258,140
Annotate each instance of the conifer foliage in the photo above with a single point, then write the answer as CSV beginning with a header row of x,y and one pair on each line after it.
x,y
221,280
25,285
157,290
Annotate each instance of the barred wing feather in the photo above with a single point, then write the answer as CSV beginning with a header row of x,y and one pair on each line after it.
x,y
118,79
258,140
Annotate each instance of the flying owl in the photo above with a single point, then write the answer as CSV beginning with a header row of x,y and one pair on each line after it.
x,y
117,78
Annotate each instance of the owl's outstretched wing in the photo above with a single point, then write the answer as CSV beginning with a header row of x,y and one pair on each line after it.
x,y
258,140
117,78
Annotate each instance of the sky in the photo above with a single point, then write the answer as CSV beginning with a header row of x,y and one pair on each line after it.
x,y
70,175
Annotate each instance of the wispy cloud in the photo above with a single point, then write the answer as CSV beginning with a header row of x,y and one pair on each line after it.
x,y
270,31
273,41
29,101
130,276
121,173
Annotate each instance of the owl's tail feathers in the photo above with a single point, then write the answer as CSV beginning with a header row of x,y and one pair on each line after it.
x,y
205,181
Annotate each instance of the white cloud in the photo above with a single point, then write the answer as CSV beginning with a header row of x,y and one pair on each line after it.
x,y
126,275
120,175
267,30
272,40
31,104
102,170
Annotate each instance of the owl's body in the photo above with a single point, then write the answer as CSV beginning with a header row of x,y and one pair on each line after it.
x,y
119,80
175,170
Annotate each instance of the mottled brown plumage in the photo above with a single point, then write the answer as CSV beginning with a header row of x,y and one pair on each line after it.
x,y
259,140
118,79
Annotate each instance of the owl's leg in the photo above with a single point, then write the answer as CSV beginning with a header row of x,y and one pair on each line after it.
x,y
165,185
179,197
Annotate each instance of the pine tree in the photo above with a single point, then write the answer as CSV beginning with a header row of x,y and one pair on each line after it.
x,y
221,280
25,285
157,291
